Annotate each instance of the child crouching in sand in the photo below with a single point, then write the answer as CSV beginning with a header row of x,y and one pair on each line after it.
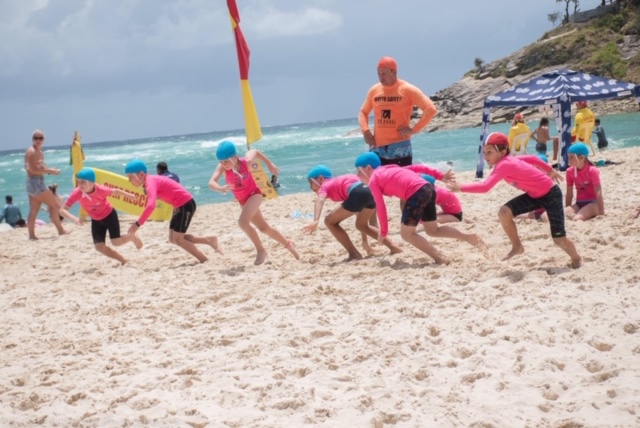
x,y
404,183
104,218
356,200
586,178
245,189
524,173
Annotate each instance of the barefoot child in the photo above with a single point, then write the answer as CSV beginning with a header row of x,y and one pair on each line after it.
x,y
447,201
524,173
586,177
104,218
164,188
404,183
245,189
356,200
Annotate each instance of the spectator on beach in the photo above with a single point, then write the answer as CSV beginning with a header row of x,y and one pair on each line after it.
x,y
524,173
11,213
246,191
163,169
602,137
37,190
584,116
586,178
184,207
356,200
541,135
519,135
420,204
104,218
392,101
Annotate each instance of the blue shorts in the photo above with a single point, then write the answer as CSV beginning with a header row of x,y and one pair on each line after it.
x,y
397,153
35,185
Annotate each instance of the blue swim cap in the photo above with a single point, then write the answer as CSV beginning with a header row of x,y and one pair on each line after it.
x,y
135,166
86,174
319,170
367,159
226,150
429,178
543,157
579,149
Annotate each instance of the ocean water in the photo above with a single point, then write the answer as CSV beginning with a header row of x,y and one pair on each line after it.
x,y
293,148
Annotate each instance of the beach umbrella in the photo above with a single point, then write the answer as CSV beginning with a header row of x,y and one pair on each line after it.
x,y
558,89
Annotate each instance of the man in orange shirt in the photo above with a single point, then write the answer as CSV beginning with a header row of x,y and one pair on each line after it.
x,y
392,101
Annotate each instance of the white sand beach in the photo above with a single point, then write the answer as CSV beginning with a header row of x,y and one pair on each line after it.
x,y
389,341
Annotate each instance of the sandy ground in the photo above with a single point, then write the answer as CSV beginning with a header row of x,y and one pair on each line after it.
x,y
385,341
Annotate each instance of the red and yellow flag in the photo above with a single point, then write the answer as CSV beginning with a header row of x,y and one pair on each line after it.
x,y
251,122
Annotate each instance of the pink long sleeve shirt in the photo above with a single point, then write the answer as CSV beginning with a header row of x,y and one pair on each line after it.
x,y
585,180
163,188
448,201
95,203
521,172
337,189
392,180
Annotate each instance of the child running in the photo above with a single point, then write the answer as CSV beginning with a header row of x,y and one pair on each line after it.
x,y
404,183
447,201
245,189
524,173
184,207
586,178
356,200
104,218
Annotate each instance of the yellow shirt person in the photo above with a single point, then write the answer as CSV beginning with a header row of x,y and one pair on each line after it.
x,y
519,135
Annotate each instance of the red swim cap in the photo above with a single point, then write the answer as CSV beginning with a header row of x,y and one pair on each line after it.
x,y
387,62
518,116
581,104
498,139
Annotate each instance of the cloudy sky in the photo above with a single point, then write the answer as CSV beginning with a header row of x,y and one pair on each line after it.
x,y
125,69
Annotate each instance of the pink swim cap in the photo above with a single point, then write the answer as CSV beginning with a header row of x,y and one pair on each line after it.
x,y
387,62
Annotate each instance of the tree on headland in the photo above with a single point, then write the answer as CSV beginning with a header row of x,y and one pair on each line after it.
x,y
576,3
478,62
553,18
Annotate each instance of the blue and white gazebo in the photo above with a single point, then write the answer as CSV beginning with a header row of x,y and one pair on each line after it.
x,y
558,89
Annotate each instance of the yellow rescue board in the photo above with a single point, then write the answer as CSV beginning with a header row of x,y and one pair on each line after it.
x,y
262,180
163,211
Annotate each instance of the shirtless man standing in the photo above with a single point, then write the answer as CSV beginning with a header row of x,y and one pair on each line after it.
x,y
36,188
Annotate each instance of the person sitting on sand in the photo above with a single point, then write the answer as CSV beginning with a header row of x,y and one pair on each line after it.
x,y
420,204
184,207
92,198
11,213
246,191
586,178
356,200
524,173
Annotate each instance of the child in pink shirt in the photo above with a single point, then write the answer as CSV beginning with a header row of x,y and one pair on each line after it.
x,y
244,187
524,173
184,207
447,201
404,183
586,178
104,218
356,200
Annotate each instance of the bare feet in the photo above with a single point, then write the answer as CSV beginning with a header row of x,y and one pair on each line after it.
x,y
395,250
514,252
64,232
440,260
260,258
213,242
292,249
33,238
575,264
353,256
137,242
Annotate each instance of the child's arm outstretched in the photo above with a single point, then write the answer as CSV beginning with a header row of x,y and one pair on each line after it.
x,y
252,154
213,182
64,212
317,212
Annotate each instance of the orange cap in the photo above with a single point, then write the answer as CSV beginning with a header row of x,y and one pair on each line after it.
x,y
387,62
